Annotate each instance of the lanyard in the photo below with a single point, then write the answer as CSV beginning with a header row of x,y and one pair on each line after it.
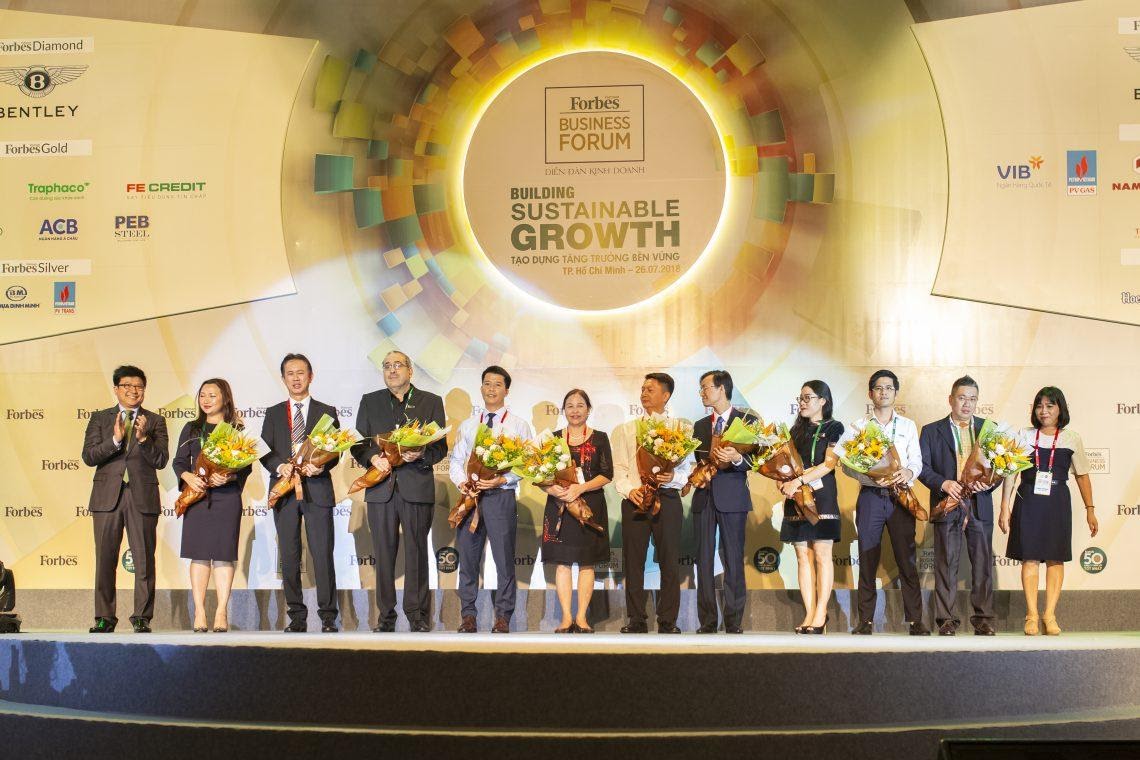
x,y
958,435
1052,452
814,441
392,399
894,424
502,419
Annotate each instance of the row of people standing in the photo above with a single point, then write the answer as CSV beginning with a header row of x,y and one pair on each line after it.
x,y
127,444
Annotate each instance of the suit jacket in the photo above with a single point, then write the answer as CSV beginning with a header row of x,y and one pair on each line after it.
x,y
940,463
728,491
415,480
140,461
275,431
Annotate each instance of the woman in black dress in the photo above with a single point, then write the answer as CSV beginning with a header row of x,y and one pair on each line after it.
x,y
210,526
814,434
569,543
1039,519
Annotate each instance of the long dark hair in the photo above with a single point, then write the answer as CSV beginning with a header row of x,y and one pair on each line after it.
x,y
803,428
230,413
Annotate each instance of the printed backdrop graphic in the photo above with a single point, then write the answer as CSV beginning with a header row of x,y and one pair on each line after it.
x,y
581,191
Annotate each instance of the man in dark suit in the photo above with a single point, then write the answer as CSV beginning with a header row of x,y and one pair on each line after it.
x,y
724,504
946,445
126,445
285,428
406,498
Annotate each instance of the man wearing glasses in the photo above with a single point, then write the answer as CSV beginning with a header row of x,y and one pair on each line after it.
x,y
946,445
405,499
874,508
126,445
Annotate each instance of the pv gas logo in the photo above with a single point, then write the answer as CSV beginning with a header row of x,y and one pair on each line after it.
x,y
59,229
132,227
64,297
1080,172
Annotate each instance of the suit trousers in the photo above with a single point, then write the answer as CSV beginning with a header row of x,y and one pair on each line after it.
x,y
874,510
665,528
948,539
731,525
141,538
385,520
498,521
319,530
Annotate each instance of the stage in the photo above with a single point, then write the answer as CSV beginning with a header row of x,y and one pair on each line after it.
x,y
539,694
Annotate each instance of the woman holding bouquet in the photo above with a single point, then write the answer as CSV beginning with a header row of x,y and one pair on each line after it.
x,y
814,434
210,526
1039,519
565,541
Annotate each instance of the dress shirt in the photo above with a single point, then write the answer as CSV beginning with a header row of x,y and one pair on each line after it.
x,y
905,440
623,443
513,425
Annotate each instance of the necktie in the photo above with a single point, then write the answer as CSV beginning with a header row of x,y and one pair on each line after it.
x,y
490,420
719,427
298,427
127,430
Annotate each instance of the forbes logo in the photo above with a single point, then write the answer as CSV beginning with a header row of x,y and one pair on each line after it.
x,y
59,560
56,465
59,229
24,414
132,227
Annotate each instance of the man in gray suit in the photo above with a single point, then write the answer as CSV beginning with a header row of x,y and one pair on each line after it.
x,y
126,444
406,498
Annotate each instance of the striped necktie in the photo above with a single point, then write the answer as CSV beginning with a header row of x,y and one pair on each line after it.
x,y
128,428
298,427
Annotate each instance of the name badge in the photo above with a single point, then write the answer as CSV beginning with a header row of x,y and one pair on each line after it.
x,y
816,484
1043,483
581,475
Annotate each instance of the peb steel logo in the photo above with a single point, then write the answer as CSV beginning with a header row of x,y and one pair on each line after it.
x,y
1080,172
132,227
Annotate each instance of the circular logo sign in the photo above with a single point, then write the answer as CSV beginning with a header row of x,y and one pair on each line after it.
x,y
1093,560
594,180
447,560
16,293
766,559
128,561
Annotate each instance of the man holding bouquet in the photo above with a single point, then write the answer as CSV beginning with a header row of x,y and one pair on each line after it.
x,y
406,496
876,508
495,517
639,521
284,430
724,504
946,447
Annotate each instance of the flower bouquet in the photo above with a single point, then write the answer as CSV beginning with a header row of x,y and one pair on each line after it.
x,y
548,462
872,453
661,444
745,434
1000,452
779,460
414,436
320,447
225,451
491,456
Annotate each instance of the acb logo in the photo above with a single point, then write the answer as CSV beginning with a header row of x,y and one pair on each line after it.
x,y
59,227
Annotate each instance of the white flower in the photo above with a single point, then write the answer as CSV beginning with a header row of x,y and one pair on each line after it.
x,y
999,449
480,451
564,459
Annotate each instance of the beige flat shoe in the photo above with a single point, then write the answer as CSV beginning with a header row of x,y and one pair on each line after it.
x,y
1051,627
1032,625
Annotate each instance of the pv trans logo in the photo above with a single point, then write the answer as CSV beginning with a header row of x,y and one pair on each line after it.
x,y
64,297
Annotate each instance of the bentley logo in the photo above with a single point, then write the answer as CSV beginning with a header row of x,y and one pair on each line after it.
x,y
1133,53
39,81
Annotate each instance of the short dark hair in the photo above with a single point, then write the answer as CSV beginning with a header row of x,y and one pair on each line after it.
x,y
128,370
965,380
296,358
663,379
577,392
1057,397
881,374
721,379
495,369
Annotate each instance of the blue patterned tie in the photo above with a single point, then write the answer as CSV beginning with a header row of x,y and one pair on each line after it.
x,y
719,427
490,420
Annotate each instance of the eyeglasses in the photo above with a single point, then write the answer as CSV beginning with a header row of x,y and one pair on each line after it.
x,y
131,387
884,389
964,399
389,366
807,399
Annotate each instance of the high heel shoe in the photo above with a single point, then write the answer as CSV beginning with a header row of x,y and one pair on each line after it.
x,y
1032,625
801,628
1051,627
818,629
200,629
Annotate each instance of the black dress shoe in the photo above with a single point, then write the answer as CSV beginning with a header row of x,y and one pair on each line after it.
x,y
947,629
707,628
419,626
385,628
102,625
667,628
297,626
733,629
863,629
141,625
635,627
329,626
984,629
918,629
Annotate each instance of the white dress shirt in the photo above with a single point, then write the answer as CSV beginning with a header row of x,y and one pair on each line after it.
x,y
905,440
512,425
623,444
291,409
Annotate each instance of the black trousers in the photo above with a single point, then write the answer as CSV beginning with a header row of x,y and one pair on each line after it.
x,y
948,540
874,510
731,526
319,530
385,521
665,528
141,538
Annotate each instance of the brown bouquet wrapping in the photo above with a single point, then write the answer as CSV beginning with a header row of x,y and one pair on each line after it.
x,y
902,493
291,481
203,468
391,452
703,473
468,496
784,464
649,468
578,508
975,471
